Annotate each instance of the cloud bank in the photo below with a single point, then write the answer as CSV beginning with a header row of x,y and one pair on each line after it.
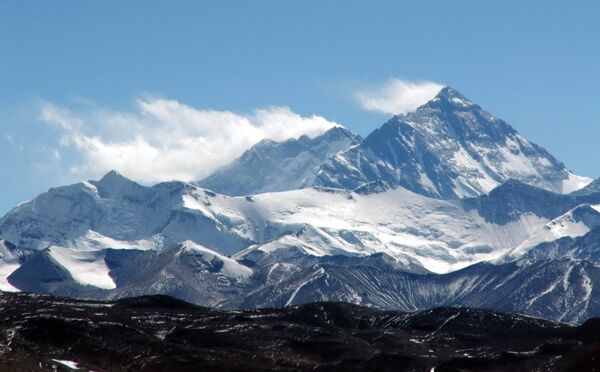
x,y
397,96
163,139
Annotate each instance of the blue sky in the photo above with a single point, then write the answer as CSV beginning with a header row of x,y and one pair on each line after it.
x,y
70,64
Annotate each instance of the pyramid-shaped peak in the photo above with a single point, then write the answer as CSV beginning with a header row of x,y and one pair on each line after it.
x,y
449,92
338,132
112,177
113,183
450,96
336,129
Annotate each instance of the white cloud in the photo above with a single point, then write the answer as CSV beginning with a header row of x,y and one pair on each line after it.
x,y
167,140
397,96
11,140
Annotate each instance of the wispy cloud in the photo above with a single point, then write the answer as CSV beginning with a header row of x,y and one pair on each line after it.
x,y
397,96
161,139
11,140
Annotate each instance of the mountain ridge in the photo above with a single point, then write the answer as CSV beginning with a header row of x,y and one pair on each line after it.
x,y
271,166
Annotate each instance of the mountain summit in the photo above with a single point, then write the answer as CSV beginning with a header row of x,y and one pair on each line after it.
x,y
447,148
278,166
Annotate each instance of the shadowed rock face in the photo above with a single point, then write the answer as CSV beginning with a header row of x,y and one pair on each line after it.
x,y
514,198
161,333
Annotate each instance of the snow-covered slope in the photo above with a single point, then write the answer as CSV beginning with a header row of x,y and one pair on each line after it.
x,y
114,238
447,148
118,213
418,231
575,223
9,262
592,188
584,247
439,236
278,166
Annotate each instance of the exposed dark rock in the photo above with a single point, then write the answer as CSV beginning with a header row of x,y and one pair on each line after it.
x,y
158,333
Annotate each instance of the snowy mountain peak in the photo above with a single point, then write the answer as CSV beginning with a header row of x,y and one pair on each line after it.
x,y
338,132
112,177
279,166
448,148
449,97
115,184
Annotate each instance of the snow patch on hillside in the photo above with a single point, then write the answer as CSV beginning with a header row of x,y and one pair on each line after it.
x,y
567,225
8,264
7,268
230,267
574,183
86,267
94,241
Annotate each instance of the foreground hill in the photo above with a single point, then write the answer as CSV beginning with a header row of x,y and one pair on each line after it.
x,y
161,333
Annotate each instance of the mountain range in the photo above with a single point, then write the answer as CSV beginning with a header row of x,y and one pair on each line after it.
x,y
444,206
447,148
